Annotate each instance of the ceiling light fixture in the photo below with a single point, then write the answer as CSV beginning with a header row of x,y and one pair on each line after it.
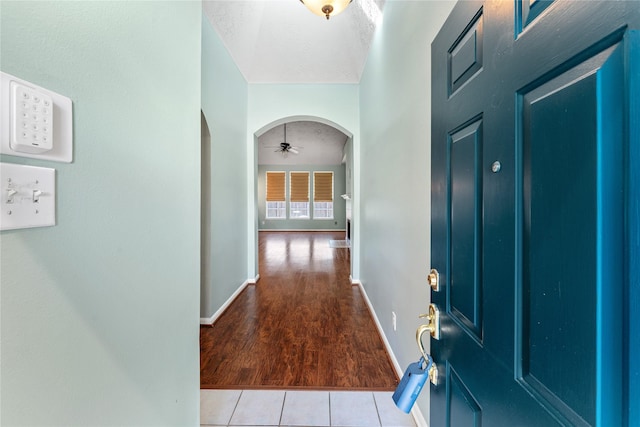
x,y
326,8
285,148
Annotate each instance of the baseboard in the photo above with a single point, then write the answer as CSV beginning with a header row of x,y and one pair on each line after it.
x,y
211,320
415,412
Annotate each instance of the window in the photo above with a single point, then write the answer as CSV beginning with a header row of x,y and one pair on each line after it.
x,y
299,210
276,202
323,210
276,210
323,195
298,195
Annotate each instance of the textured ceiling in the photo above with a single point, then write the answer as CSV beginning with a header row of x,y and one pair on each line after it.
x,y
319,144
281,41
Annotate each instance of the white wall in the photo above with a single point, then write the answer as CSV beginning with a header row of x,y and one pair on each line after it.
x,y
272,104
395,161
100,312
224,104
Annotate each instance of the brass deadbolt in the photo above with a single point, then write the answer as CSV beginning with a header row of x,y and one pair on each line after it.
x,y
434,280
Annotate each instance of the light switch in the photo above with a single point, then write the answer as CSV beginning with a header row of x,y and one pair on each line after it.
x,y
10,193
29,196
34,122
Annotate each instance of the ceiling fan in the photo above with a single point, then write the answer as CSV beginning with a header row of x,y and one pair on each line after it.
x,y
285,148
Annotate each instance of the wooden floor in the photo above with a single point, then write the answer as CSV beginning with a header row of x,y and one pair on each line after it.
x,y
303,325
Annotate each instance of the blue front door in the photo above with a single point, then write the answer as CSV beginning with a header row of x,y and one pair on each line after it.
x,y
535,125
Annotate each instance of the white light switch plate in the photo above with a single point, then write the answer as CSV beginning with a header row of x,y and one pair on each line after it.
x,y
28,196
28,127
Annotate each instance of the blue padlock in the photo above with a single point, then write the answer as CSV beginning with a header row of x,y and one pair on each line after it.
x,y
411,384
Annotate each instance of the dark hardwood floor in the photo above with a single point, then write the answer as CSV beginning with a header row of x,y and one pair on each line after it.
x,y
301,326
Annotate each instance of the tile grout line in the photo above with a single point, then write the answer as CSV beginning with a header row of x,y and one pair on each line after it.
x,y
235,407
284,400
375,402
330,420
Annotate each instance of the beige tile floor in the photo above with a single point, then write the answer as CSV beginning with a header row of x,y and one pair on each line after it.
x,y
258,408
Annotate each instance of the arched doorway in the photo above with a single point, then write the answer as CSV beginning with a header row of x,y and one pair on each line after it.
x,y
310,133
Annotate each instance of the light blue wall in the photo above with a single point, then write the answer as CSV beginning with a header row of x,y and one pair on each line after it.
x,y
339,188
100,312
224,104
272,104
395,112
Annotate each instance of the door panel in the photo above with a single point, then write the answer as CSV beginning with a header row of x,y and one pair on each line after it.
x,y
528,10
561,170
529,230
464,409
465,290
465,58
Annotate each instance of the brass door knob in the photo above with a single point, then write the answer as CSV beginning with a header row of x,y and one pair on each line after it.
x,y
433,327
434,323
